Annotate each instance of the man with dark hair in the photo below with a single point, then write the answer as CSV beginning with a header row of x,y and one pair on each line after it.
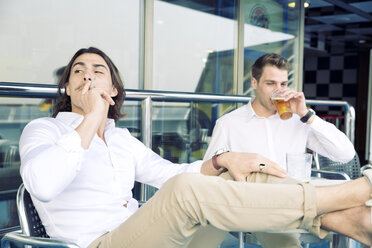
x,y
257,128
80,169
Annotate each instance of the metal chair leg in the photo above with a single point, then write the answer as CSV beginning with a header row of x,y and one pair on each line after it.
x,y
241,240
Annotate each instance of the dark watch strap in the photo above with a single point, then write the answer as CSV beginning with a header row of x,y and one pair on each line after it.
x,y
306,117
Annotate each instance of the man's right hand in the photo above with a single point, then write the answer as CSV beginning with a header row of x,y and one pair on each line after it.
x,y
95,100
95,104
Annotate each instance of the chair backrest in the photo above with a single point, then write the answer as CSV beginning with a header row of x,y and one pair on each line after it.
x,y
351,168
29,219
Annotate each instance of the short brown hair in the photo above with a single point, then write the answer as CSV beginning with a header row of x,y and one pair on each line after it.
x,y
272,59
64,101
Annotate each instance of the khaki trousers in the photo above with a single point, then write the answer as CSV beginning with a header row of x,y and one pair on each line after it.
x,y
204,235
187,202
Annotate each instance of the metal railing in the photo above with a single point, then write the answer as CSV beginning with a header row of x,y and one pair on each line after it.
x,y
49,91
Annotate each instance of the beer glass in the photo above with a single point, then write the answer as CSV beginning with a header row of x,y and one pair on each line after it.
x,y
283,107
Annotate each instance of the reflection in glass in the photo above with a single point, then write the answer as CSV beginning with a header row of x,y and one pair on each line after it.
x,y
39,36
186,34
270,26
13,118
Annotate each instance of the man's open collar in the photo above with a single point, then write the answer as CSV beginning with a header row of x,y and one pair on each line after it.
x,y
252,114
250,111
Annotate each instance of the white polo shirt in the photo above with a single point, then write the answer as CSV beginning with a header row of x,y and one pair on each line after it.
x,y
80,194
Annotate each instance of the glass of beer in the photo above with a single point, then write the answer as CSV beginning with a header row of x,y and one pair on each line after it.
x,y
283,107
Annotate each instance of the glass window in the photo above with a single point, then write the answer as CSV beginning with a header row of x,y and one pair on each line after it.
x,y
13,118
38,37
187,36
176,132
270,26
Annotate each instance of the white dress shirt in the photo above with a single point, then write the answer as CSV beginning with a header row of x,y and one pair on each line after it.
x,y
81,194
242,130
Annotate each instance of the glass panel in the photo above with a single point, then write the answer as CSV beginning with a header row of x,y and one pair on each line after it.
x,y
132,118
13,118
170,131
182,131
39,37
190,36
8,211
270,26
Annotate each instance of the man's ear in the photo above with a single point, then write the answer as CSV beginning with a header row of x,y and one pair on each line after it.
x,y
67,89
114,92
254,83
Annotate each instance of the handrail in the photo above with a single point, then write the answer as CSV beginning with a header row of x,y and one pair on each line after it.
x,y
45,91
28,90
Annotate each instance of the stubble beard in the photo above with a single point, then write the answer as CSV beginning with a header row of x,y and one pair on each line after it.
x,y
269,106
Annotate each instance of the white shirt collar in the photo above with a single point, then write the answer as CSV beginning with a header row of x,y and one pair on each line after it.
x,y
251,113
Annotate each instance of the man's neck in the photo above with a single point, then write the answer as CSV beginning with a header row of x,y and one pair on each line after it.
x,y
260,110
101,129
102,125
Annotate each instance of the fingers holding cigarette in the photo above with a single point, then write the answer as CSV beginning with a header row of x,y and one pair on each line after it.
x,y
90,89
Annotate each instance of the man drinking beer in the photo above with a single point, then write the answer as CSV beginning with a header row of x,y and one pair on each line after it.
x,y
258,128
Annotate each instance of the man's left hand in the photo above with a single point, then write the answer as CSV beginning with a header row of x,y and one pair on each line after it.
x,y
241,164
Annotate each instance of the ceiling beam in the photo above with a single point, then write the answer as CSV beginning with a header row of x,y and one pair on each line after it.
x,y
350,8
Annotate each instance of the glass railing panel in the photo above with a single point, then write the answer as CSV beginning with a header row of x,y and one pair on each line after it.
x,y
173,132
181,131
132,118
15,113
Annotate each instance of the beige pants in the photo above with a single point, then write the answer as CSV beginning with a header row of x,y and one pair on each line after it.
x,y
187,202
275,240
204,235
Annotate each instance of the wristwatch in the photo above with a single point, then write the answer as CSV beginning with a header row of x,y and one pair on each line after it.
x,y
214,159
306,117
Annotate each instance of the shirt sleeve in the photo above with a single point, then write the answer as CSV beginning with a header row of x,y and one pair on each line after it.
x,y
218,140
154,170
49,160
327,140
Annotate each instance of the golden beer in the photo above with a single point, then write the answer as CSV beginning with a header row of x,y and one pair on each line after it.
x,y
283,107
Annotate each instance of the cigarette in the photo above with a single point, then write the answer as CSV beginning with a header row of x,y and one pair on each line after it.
x,y
92,84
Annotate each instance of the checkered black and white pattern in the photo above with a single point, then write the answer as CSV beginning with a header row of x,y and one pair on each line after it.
x,y
332,77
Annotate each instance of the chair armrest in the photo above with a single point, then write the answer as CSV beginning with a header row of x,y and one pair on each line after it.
x,y
330,174
18,237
